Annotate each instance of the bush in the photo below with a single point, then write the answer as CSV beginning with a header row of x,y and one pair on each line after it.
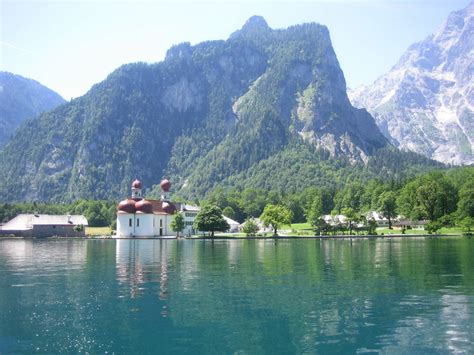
x,y
433,227
467,224
447,220
78,228
250,227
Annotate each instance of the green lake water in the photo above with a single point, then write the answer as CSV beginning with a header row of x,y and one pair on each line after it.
x,y
413,295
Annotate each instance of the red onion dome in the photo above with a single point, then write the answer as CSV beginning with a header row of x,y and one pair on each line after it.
x,y
127,205
137,184
165,185
169,208
144,206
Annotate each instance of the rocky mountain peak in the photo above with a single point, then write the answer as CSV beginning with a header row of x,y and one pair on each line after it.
x,y
179,51
255,25
255,22
425,102
228,107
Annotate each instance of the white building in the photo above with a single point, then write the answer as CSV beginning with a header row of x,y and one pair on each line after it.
x,y
378,218
140,217
234,226
334,220
190,213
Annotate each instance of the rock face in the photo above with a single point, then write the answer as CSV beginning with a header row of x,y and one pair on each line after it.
x,y
22,98
206,113
426,102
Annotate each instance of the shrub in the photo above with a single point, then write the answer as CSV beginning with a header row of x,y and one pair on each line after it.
x,y
78,228
433,227
250,227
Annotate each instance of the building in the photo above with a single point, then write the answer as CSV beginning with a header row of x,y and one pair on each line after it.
x,y
190,212
334,220
45,225
140,217
405,223
234,226
378,218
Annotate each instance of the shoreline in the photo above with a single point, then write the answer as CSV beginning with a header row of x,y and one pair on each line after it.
x,y
286,237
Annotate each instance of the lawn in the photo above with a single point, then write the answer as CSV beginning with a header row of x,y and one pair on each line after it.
x,y
96,231
296,226
306,229
419,231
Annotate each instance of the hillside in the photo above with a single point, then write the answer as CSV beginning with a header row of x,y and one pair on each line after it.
x,y
219,112
426,102
22,98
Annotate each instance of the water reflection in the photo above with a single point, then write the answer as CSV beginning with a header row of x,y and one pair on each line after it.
x,y
347,295
287,296
27,255
141,263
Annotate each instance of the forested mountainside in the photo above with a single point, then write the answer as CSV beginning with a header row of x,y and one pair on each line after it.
x,y
22,98
262,107
426,102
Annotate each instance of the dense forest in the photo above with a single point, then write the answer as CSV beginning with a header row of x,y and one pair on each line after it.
x,y
443,197
265,108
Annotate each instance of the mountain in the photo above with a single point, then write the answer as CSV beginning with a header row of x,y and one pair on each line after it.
x,y
425,103
265,107
22,98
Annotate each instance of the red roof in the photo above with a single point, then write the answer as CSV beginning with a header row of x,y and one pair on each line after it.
x,y
147,206
168,207
127,206
144,206
160,207
137,184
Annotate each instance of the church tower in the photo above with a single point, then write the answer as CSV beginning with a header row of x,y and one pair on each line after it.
x,y
137,190
165,185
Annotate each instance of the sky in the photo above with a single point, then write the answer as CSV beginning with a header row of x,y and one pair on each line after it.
x,y
70,45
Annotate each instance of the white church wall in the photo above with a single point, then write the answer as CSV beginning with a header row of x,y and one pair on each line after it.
x,y
144,225
125,225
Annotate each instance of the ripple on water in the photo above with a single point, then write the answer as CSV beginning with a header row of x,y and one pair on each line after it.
x,y
248,296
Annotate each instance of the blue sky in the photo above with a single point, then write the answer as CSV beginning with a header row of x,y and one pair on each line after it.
x,y
71,45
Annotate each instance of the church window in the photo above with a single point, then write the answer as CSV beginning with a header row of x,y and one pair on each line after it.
x,y
129,222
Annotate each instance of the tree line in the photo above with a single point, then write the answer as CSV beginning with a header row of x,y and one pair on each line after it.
x,y
443,198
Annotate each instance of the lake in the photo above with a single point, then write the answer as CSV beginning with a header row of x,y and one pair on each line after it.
x,y
413,295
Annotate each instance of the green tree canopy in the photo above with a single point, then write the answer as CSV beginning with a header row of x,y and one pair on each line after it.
x,y
387,205
177,224
275,216
229,212
466,200
351,216
429,196
315,210
250,227
210,219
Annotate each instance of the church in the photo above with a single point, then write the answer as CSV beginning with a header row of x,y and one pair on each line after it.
x,y
140,217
